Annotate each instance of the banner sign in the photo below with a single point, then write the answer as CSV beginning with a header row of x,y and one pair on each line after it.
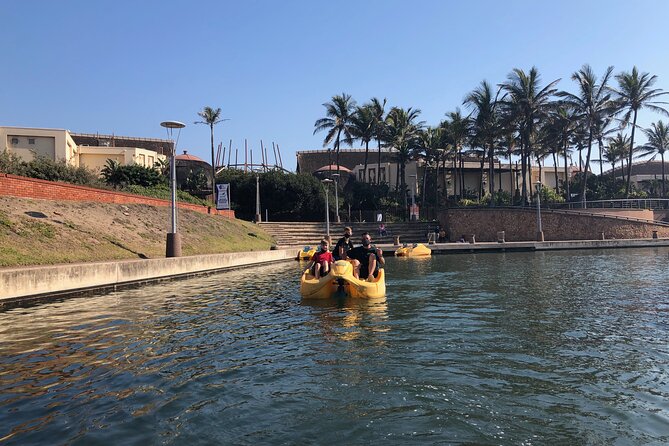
x,y
223,196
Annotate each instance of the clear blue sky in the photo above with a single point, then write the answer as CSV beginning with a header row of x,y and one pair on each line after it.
x,y
122,66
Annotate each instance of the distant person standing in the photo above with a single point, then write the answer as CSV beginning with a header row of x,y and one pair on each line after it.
x,y
343,245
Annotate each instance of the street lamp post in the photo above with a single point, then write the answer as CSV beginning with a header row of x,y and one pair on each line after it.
x,y
413,197
173,243
258,215
540,232
326,183
336,185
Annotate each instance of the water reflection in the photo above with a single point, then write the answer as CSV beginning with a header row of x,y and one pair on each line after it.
x,y
510,348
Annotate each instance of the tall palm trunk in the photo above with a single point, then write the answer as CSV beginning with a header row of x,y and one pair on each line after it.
x,y
462,174
436,187
481,175
378,173
585,172
629,159
337,151
364,175
663,189
555,169
213,165
566,172
523,169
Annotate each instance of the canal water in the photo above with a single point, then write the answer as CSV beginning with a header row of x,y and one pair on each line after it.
x,y
512,348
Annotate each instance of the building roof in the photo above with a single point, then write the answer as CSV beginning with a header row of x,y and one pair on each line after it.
x,y
333,167
310,161
161,146
188,157
645,168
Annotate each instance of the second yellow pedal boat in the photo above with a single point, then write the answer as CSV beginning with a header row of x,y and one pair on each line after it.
x,y
416,250
340,279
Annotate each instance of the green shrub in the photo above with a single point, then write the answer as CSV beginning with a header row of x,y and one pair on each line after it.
x,y
163,191
46,169
119,176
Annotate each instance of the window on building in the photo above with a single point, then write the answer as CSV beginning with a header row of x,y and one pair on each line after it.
x,y
31,140
361,175
151,161
382,174
15,140
141,161
372,176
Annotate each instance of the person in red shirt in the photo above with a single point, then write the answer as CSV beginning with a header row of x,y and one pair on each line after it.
x,y
322,260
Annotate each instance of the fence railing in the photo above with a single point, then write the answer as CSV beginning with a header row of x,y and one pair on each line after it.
x,y
636,203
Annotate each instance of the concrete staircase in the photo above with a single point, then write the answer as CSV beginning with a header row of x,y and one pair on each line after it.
x,y
310,233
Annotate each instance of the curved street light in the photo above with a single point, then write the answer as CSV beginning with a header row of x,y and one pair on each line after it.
x,y
173,243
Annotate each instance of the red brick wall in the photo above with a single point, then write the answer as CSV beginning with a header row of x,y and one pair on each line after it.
x,y
17,186
521,225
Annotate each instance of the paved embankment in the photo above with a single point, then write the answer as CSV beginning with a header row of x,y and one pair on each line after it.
x,y
32,283
457,248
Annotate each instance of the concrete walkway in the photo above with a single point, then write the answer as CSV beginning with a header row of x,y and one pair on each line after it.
x,y
24,284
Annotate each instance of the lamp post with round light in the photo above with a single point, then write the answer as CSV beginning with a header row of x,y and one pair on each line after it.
x,y
540,232
326,183
173,243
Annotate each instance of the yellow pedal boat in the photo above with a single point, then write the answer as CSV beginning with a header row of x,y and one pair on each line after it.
x,y
306,253
416,250
341,279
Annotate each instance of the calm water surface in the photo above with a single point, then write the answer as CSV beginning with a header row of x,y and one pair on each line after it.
x,y
518,348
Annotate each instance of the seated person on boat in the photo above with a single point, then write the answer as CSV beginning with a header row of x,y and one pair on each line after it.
x,y
367,259
322,260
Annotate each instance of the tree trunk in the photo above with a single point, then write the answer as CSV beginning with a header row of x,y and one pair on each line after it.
x,y
585,172
566,173
213,167
629,159
378,173
364,175
663,190
555,169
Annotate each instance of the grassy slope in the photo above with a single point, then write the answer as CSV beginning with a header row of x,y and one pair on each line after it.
x,y
35,232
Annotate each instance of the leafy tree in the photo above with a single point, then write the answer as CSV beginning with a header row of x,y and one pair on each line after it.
x,y
211,117
635,91
527,104
402,134
658,143
338,114
593,105
379,129
362,128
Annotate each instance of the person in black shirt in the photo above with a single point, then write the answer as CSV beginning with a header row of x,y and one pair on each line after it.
x,y
343,245
367,259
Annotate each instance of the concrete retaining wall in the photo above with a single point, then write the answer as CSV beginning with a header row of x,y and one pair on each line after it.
x,y
521,225
18,283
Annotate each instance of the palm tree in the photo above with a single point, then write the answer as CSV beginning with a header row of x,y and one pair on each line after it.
x,y
527,105
658,143
378,108
562,121
431,142
211,117
594,105
362,128
485,127
338,114
457,129
402,132
634,93
615,151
